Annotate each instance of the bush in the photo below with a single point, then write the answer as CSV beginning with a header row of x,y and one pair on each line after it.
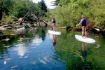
x,y
69,12
7,19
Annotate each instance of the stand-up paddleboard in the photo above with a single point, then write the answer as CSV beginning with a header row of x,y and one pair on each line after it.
x,y
54,32
85,39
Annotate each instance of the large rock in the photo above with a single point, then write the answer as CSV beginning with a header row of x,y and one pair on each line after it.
x,y
20,30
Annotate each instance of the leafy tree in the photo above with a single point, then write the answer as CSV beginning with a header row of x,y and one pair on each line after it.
x,y
21,8
68,12
43,7
5,6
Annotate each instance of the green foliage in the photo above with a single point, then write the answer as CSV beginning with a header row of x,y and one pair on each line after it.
x,y
69,12
43,7
7,19
5,5
21,8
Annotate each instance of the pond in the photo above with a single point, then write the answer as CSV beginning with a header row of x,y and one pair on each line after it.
x,y
34,51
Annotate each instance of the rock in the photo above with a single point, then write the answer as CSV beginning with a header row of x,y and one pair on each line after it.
x,y
68,28
20,30
2,28
7,39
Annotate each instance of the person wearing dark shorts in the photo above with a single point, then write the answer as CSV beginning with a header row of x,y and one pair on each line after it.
x,y
83,23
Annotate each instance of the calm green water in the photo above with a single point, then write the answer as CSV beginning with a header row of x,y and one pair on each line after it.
x,y
81,56
33,51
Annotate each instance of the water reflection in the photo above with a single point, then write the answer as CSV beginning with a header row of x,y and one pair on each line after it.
x,y
85,65
43,34
37,40
21,49
84,51
22,56
6,58
53,38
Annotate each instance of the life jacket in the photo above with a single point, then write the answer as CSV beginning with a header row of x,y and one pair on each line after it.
x,y
84,21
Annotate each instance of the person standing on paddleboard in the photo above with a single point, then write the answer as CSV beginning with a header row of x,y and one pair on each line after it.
x,y
53,23
83,22
53,27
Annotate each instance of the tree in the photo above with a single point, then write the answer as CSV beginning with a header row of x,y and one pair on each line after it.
x,y
43,7
5,6
69,12
22,8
